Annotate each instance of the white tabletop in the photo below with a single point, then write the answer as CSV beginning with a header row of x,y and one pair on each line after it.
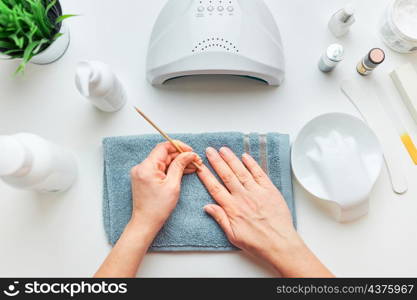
x,y
63,235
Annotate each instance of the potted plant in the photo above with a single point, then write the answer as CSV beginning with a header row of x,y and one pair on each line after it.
x,y
32,30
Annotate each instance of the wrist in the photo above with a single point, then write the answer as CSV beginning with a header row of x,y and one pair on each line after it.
x,y
284,252
292,258
140,230
281,247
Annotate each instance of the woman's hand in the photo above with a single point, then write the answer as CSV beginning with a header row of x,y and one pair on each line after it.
x,y
251,210
156,186
156,183
255,216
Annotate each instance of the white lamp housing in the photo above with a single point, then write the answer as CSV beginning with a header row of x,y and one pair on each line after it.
x,y
203,37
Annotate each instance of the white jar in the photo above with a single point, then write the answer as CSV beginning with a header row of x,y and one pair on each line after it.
x,y
398,28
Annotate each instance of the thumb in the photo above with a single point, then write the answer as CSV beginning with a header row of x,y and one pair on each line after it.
x,y
218,214
178,166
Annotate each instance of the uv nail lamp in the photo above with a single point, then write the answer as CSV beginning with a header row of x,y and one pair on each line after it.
x,y
206,37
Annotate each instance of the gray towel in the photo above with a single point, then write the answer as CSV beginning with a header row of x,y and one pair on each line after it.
x,y
189,228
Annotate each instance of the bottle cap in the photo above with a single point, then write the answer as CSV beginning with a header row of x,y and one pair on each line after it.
x,y
92,78
347,13
376,56
335,52
349,9
12,155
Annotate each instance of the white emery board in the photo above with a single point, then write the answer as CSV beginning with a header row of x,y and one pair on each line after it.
x,y
367,103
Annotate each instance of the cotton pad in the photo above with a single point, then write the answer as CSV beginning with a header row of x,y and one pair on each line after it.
x,y
337,158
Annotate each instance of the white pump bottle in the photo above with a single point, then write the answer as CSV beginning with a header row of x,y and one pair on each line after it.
x,y
342,20
30,162
97,82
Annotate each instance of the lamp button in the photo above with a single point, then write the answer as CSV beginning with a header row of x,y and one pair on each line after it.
x,y
220,8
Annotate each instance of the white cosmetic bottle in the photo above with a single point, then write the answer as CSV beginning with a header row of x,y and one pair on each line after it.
x,y
97,82
30,162
342,20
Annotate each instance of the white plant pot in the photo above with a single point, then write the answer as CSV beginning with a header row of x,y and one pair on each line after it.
x,y
56,50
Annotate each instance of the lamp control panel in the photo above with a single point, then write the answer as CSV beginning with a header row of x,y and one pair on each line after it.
x,y
207,8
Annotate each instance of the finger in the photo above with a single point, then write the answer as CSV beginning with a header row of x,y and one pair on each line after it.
x,y
160,155
241,172
162,150
177,167
173,156
190,171
255,169
219,193
185,148
221,218
223,170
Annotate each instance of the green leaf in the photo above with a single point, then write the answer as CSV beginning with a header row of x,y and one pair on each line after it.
x,y
4,35
40,16
63,17
29,51
27,55
57,36
6,45
10,52
19,41
20,69
39,47
50,5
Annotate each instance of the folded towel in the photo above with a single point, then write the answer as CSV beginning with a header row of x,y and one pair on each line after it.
x,y
189,228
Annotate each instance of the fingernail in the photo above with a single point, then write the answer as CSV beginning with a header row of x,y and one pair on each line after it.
x,y
225,150
189,154
211,151
200,169
208,209
245,155
199,162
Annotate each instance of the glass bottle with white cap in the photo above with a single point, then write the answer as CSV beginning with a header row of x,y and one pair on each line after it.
x,y
371,61
331,58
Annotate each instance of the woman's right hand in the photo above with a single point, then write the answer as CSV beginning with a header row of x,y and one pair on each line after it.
x,y
255,216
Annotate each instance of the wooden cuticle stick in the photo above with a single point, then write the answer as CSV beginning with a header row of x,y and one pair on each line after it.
x,y
166,136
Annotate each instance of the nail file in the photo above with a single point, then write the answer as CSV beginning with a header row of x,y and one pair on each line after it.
x,y
398,123
405,79
402,132
369,106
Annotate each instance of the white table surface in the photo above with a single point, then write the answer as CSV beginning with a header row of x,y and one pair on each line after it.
x,y
63,235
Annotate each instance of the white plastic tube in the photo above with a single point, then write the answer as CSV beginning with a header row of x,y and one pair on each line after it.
x,y
30,162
